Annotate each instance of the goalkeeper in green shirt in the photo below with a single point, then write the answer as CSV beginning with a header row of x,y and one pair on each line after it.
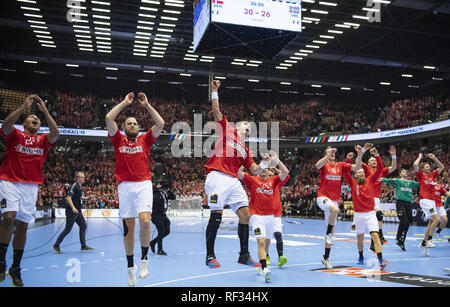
x,y
403,194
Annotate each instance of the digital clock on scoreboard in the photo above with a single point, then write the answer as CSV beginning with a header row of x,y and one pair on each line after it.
x,y
271,14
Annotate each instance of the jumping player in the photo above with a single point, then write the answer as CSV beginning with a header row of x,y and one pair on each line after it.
x,y
369,168
222,185
363,194
427,202
135,189
20,177
262,193
329,194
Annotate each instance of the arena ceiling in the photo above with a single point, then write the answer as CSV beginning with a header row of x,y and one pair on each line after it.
x,y
151,40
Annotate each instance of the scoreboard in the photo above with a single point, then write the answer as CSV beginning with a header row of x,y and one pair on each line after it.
x,y
269,14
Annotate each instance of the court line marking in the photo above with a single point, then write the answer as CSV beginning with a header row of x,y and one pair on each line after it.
x,y
288,265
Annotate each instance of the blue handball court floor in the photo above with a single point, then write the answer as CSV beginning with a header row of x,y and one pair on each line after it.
x,y
184,266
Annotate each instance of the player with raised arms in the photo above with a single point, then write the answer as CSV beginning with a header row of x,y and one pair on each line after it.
x,y
222,185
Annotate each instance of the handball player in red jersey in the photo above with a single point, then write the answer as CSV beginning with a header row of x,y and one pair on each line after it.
x,y
329,194
439,192
132,152
369,169
20,177
222,185
427,202
262,198
278,225
363,189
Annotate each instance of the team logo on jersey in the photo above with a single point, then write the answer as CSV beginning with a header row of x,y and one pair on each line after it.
x,y
333,170
131,150
331,177
28,150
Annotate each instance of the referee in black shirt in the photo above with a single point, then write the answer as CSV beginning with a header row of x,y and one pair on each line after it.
x,y
74,214
161,196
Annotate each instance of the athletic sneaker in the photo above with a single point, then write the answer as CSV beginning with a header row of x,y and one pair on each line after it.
x,y
401,244
423,249
14,275
327,263
329,239
57,249
162,253
268,260
266,274
430,244
245,259
282,261
360,260
132,276
2,271
143,270
383,264
87,248
212,263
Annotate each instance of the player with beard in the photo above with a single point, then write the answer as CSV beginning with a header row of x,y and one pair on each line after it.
x,y
427,202
132,153
222,185
363,194
20,177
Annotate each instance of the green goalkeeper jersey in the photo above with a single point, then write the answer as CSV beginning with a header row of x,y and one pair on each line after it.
x,y
403,188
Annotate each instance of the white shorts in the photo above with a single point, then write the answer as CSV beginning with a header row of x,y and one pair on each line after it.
x,y
134,198
441,211
365,219
377,203
262,226
19,197
223,189
324,204
428,207
277,225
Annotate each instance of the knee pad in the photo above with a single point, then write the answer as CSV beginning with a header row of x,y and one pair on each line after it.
x,y
125,228
380,215
214,220
277,236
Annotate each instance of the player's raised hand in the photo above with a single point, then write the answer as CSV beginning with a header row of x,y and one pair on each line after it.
x,y
431,156
40,103
367,146
374,151
129,98
28,101
143,99
215,84
358,148
392,150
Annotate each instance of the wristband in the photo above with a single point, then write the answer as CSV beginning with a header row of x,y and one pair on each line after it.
x,y
363,150
214,95
393,157
264,164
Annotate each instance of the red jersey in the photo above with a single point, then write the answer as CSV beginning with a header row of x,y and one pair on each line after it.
x,y
438,192
331,180
261,193
427,184
277,209
363,194
25,156
230,151
132,157
369,171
